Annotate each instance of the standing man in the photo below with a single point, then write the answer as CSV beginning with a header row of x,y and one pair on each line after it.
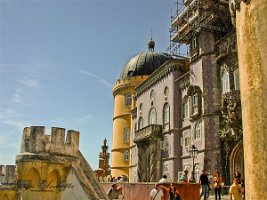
x,y
236,190
204,181
156,193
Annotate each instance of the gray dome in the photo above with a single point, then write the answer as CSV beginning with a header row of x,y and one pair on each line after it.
x,y
144,63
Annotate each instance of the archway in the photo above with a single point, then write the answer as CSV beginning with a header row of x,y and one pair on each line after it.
x,y
6,197
237,160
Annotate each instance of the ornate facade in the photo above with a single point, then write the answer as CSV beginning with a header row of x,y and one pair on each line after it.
x,y
192,100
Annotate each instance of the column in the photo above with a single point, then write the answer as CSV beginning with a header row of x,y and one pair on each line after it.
x,y
251,28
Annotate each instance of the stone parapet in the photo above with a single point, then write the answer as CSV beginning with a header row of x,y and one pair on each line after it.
x,y
7,174
34,140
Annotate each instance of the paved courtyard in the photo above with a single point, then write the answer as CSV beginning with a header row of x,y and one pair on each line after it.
x,y
224,197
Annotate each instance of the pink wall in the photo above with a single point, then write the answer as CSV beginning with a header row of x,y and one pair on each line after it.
x,y
137,191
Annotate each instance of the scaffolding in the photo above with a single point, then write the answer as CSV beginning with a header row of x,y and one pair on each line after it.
x,y
194,16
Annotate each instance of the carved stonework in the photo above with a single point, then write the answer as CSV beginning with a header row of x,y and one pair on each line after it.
x,y
148,140
234,5
231,111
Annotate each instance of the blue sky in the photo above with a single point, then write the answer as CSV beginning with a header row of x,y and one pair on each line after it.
x,y
60,58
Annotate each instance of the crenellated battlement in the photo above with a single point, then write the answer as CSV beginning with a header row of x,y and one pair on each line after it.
x,y
7,174
34,140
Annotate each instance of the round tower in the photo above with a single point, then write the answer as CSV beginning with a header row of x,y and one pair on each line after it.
x,y
134,72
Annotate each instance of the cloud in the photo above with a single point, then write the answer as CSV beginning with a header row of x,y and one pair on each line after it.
x,y
17,98
9,117
99,79
29,82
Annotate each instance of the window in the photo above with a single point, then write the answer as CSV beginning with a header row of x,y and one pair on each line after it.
x,y
195,103
186,141
152,118
166,91
128,99
166,117
186,138
195,100
197,133
126,135
225,82
152,94
186,107
126,155
140,108
164,145
194,43
236,78
140,123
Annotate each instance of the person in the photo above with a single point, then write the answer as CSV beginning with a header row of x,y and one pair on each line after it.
x,y
119,179
120,194
184,177
156,193
204,181
163,179
172,191
236,190
240,181
113,192
217,184
177,195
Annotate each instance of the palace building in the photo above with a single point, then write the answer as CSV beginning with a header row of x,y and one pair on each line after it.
x,y
165,104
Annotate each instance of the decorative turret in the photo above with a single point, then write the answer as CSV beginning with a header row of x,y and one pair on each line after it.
x,y
34,140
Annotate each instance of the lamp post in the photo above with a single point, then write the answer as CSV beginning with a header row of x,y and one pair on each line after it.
x,y
193,154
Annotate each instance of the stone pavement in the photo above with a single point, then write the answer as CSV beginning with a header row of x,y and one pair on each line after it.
x,y
223,197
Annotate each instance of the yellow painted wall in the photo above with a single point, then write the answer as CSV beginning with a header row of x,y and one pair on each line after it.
x,y
51,173
122,119
8,195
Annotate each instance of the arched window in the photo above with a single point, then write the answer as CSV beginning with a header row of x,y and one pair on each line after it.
x,y
197,132
140,123
152,117
186,107
225,82
166,117
128,99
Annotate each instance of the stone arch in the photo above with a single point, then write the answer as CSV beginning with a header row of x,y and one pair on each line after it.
x,y
5,197
53,179
237,159
34,177
193,89
195,94
19,174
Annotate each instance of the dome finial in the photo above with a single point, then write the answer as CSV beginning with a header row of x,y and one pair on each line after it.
x,y
151,43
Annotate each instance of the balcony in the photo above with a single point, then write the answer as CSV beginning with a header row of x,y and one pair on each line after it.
x,y
148,132
227,49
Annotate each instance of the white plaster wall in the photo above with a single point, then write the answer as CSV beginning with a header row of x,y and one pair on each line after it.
x,y
76,192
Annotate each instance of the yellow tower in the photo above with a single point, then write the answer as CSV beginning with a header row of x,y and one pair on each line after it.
x,y
134,72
